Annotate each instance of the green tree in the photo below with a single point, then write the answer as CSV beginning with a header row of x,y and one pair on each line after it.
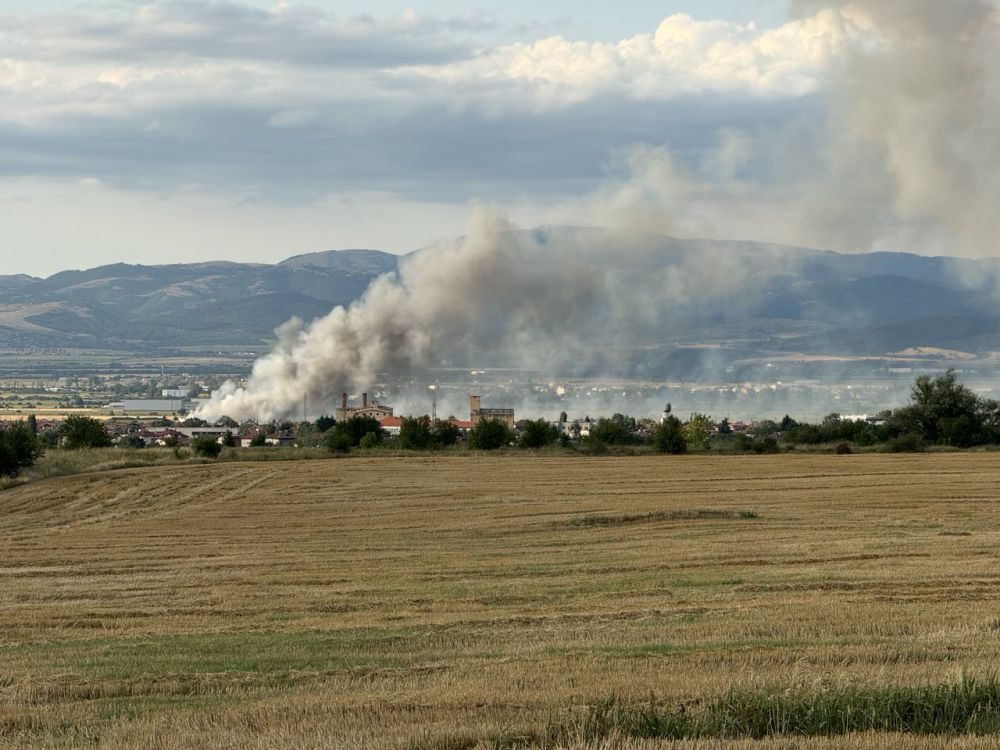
x,y
259,440
370,441
619,430
325,423
415,434
446,434
489,435
228,439
538,433
768,427
131,441
943,411
668,437
207,447
19,449
697,431
84,432
348,434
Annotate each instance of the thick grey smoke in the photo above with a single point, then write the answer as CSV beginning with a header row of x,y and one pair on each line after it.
x,y
915,111
905,159
902,157
567,299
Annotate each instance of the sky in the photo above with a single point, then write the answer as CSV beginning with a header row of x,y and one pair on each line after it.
x,y
184,130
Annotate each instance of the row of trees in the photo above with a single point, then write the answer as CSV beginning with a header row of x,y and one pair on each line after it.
x,y
941,411
420,433
415,433
21,445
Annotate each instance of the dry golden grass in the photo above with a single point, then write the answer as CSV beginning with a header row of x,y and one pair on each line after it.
x,y
437,601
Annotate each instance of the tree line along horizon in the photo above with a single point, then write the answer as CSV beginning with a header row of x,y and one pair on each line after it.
x,y
942,412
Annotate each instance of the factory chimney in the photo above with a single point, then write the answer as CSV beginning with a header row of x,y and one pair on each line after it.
x,y
364,400
343,400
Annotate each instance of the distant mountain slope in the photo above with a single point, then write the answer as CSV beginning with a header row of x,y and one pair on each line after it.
x,y
786,300
132,307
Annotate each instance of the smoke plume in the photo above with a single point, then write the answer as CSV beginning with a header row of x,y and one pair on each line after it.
x,y
573,299
904,158
913,128
901,157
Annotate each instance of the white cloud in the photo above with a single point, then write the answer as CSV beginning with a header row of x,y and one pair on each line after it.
x,y
683,56
291,104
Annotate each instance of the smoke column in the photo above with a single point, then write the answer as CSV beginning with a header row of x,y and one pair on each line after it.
x,y
525,299
913,136
908,151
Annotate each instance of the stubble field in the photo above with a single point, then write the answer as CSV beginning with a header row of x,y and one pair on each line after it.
x,y
455,602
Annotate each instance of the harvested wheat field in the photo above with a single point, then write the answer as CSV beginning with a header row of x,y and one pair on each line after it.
x,y
460,602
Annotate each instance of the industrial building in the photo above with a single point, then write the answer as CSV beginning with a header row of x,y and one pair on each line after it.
x,y
375,409
151,405
477,413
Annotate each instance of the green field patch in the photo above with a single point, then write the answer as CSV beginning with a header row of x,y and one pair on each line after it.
x,y
653,649
706,582
259,653
135,707
963,708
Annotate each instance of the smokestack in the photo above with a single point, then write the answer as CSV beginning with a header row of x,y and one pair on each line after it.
x,y
364,400
475,403
343,400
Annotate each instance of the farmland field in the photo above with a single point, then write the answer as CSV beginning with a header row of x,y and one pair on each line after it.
x,y
443,602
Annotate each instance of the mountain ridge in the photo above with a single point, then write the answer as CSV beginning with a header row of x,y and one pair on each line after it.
x,y
855,304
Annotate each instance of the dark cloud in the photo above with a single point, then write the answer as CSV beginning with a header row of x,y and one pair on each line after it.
x,y
170,31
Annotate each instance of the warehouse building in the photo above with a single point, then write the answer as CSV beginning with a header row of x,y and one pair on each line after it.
x,y
477,413
375,409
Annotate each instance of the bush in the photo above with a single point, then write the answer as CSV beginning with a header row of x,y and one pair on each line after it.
x,y
349,434
668,437
595,447
446,434
259,440
743,443
538,433
766,445
338,442
909,443
844,449
207,447
415,434
370,441
619,430
84,432
19,449
489,435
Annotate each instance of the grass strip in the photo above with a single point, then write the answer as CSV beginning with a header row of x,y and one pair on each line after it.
x,y
970,706
626,519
